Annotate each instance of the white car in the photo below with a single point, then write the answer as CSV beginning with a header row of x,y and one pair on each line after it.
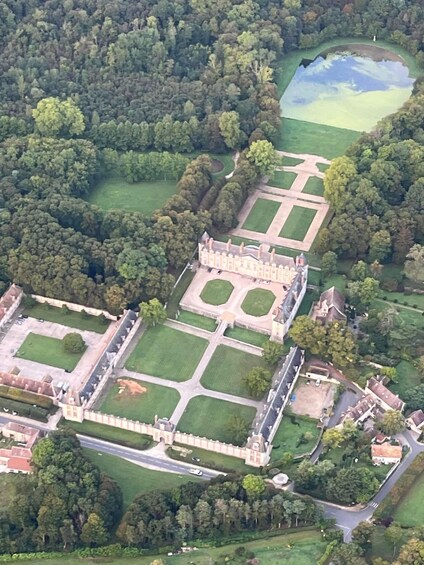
x,y
196,472
318,382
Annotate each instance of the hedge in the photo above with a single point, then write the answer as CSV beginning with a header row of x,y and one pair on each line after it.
x,y
401,488
23,409
115,550
26,396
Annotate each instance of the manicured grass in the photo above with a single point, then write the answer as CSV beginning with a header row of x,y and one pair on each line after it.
x,y
410,510
167,353
227,368
247,336
298,223
115,193
258,302
314,277
282,179
172,306
196,320
407,377
314,185
297,136
289,433
141,406
226,160
216,292
48,351
322,167
261,215
306,304
209,417
286,161
339,281
135,479
217,461
109,433
408,315
71,319
404,299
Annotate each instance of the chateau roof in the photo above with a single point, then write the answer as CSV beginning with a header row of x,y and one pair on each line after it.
x,y
8,298
335,303
25,383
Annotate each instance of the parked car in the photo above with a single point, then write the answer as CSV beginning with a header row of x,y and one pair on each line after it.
x,y
196,472
317,382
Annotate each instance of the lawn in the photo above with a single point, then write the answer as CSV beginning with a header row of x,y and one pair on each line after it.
x,y
306,304
209,459
247,336
109,433
282,179
227,368
404,299
139,405
407,377
197,320
115,193
173,305
216,292
339,281
48,351
322,167
408,315
258,302
410,511
209,417
298,136
298,223
135,479
286,161
167,353
287,438
261,215
69,318
314,185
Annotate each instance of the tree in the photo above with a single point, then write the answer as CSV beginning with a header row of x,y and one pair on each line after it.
x,y
414,397
352,485
329,263
348,554
390,373
359,271
262,155
53,117
362,293
362,535
238,428
257,381
308,334
254,485
414,265
272,351
94,531
74,343
229,125
115,299
393,535
380,245
338,175
332,438
153,312
392,422
411,553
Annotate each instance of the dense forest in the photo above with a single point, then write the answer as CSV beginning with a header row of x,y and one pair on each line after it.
x,y
83,78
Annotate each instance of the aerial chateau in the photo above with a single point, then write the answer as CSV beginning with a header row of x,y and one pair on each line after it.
x,y
260,265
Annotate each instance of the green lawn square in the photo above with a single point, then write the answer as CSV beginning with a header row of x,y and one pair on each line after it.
x,y
258,302
282,179
314,185
167,353
227,368
298,223
261,215
48,351
216,292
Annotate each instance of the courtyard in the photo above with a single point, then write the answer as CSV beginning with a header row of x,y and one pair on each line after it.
x,y
311,400
47,351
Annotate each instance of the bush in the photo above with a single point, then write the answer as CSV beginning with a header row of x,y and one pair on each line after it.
x,y
73,343
65,310
28,301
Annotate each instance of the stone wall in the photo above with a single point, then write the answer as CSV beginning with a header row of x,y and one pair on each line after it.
x,y
73,306
210,445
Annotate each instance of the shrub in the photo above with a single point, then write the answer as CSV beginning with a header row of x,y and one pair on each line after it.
x,y
73,343
395,300
25,410
28,301
64,309
415,306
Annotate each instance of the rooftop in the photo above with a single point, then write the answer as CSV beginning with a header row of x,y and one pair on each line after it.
x,y
8,298
377,388
417,417
25,383
386,450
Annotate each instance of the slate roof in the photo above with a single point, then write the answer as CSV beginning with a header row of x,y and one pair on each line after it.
x,y
335,303
417,417
385,394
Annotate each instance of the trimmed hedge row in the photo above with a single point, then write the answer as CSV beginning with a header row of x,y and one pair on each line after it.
x,y
115,550
26,396
23,409
401,488
324,559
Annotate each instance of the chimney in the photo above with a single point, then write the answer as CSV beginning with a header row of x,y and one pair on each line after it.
x,y
241,248
228,245
272,254
259,250
210,243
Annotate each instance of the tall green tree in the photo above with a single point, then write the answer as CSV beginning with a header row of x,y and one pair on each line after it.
x,y
53,117
153,312
262,155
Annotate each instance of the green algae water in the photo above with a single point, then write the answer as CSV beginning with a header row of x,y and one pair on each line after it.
x,y
351,86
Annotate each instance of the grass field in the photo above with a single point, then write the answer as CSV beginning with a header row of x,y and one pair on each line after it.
x,y
314,185
134,479
297,136
216,292
282,179
289,433
114,193
173,305
110,433
408,315
339,281
258,302
261,215
139,405
247,336
410,510
290,548
167,353
209,417
298,223
407,377
404,299
306,304
286,161
197,320
48,351
227,368
217,461
71,319
322,167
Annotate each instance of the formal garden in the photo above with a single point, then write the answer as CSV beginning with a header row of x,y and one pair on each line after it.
x,y
315,186
217,292
261,215
48,351
258,302
282,179
167,353
298,223
297,435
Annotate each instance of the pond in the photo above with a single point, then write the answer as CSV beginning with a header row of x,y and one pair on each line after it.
x,y
349,86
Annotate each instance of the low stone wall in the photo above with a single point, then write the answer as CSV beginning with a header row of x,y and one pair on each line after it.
x,y
210,445
73,306
117,422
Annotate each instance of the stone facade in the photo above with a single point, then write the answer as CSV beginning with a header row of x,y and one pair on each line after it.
x,y
9,303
